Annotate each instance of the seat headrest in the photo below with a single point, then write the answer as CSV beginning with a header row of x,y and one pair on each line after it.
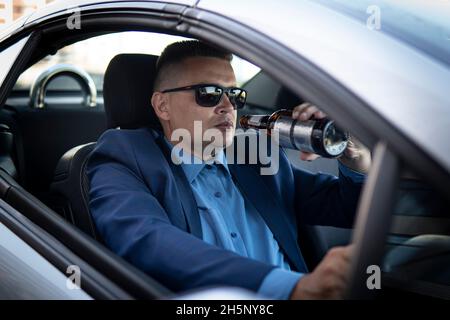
x,y
127,91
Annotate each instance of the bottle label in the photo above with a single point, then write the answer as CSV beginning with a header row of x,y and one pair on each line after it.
x,y
255,121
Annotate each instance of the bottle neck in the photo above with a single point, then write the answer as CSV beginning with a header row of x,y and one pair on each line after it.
x,y
280,113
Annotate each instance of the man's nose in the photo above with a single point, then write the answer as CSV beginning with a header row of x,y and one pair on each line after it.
x,y
225,105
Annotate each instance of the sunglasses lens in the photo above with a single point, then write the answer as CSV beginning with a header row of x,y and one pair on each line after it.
x,y
208,96
237,97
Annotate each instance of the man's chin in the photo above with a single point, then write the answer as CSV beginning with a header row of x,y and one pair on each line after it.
x,y
221,137
228,138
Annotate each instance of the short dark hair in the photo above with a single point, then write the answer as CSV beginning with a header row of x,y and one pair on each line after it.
x,y
181,50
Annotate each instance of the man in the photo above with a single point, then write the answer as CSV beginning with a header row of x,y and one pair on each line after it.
x,y
196,225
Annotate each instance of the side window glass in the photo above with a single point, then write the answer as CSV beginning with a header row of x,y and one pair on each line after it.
x,y
8,56
263,95
90,56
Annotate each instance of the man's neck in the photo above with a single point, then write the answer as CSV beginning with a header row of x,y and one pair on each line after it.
x,y
196,151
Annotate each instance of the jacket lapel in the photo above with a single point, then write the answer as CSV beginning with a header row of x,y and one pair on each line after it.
x,y
184,191
254,189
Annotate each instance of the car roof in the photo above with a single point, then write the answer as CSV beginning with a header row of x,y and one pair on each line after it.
x,y
404,84
63,6
66,6
423,24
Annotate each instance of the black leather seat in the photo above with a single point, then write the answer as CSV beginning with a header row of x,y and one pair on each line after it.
x,y
127,91
7,163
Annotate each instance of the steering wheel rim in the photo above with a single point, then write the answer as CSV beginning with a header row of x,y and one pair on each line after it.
x,y
39,87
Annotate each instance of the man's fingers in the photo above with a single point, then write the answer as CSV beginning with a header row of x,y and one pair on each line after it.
x,y
305,111
338,260
308,156
338,267
349,251
338,285
344,271
345,251
330,279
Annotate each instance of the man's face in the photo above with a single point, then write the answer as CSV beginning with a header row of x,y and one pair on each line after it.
x,y
183,109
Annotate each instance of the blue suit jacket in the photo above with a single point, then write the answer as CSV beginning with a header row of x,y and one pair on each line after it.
x,y
145,211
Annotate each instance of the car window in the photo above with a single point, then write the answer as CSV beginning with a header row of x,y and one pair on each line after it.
x,y
8,56
93,56
418,247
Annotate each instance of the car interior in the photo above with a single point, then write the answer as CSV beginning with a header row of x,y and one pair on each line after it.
x,y
57,176
45,149
45,145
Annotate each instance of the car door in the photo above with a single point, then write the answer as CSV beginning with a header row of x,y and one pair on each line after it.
x,y
333,95
36,266
38,243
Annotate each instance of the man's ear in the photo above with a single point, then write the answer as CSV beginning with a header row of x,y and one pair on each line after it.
x,y
161,105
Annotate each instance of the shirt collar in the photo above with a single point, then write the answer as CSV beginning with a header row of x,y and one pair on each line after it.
x,y
192,165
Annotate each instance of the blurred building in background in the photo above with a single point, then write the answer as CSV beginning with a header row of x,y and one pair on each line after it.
x,y
11,10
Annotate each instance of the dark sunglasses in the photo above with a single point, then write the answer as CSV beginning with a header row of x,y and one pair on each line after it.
x,y
210,95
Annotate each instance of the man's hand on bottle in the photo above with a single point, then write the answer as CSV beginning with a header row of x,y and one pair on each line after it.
x,y
329,280
356,156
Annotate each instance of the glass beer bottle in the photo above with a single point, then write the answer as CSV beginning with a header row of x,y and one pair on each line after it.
x,y
319,136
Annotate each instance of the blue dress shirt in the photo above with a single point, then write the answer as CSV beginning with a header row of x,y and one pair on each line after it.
x,y
230,221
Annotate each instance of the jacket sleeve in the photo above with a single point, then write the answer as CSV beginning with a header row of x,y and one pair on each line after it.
x,y
134,224
322,199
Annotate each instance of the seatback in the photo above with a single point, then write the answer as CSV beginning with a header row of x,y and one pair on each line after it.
x,y
7,163
127,92
71,182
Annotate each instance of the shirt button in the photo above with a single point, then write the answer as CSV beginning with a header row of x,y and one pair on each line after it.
x,y
218,194
233,234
